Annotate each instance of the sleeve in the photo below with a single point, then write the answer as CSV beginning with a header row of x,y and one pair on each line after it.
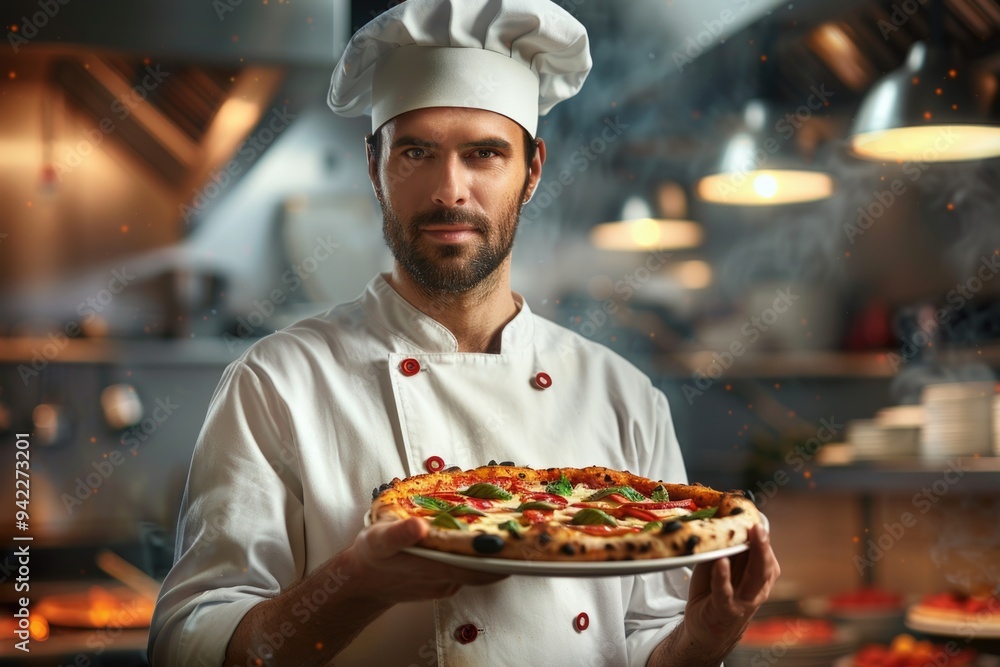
x,y
655,604
240,535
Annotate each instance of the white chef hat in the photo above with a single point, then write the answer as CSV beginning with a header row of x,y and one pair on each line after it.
x,y
518,58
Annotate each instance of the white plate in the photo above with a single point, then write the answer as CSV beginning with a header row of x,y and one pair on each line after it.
x,y
936,625
548,568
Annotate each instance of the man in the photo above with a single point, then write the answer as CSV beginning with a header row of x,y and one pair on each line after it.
x,y
273,563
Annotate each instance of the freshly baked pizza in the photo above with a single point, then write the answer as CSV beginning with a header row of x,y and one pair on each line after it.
x,y
565,514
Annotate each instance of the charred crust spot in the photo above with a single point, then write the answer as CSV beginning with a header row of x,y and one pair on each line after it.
x,y
521,475
607,478
374,493
544,539
487,544
732,534
583,548
671,527
608,546
630,546
691,543
492,462
567,549
507,463
737,510
645,547
453,469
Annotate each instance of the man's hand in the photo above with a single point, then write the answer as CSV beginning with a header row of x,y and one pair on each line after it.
x,y
723,597
378,570
726,593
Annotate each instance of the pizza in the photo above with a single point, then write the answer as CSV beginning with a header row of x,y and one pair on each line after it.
x,y
565,514
978,613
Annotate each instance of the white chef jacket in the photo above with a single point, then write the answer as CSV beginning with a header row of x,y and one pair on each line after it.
x,y
308,420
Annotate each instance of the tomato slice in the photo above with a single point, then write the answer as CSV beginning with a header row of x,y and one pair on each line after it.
x,y
536,516
545,497
686,504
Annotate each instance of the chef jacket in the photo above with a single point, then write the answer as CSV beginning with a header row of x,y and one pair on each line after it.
x,y
308,420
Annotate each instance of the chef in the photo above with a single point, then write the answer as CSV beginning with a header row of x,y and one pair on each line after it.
x,y
436,364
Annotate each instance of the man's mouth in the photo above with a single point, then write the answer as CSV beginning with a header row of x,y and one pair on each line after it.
x,y
450,233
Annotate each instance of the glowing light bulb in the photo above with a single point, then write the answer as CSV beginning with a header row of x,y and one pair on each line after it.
x,y
765,185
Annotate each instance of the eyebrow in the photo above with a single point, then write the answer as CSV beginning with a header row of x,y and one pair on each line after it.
x,y
488,142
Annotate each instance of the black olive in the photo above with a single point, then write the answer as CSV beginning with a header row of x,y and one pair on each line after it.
x,y
487,544
691,543
736,510
671,527
568,549
544,539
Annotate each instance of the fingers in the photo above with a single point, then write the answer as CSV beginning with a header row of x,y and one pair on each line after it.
x,y
722,586
387,540
761,569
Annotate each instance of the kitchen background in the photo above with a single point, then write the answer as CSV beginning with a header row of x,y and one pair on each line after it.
x,y
715,207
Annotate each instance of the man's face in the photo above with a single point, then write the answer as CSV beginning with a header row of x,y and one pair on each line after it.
x,y
451,182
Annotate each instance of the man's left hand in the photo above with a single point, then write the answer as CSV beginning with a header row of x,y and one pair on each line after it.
x,y
726,593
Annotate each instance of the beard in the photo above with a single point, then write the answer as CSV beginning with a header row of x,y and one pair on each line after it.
x,y
446,268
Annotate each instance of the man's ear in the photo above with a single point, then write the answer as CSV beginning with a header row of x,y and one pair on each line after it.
x,y
372,166
535,169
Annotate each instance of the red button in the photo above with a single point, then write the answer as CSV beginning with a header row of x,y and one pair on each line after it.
x,y
409,367
543,381
467,633
434,464
581,622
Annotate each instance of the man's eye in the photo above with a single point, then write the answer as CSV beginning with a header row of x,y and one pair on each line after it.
x,y
414,153
486,153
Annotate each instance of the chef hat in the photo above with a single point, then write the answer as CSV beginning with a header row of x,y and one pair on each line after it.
x,y
518,58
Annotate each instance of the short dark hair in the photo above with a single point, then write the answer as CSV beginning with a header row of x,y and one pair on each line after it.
x,y
374,143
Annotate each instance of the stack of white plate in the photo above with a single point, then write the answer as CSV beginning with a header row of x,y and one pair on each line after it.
x,y
867,439
958,420
901,426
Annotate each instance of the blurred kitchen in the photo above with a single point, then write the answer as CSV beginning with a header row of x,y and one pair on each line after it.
x,y
786,213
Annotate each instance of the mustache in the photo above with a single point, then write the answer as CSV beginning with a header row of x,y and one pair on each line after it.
x,y
450,217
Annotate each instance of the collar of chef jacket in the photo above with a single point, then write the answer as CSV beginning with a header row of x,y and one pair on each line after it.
x,y
404,321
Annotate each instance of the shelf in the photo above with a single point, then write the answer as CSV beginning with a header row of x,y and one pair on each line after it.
x,y
959,474
156,352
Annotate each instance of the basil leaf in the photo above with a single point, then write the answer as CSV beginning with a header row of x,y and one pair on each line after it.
x,y
660,494
706,513
512,526
445,520
487,491
560,488
626,491
537,505
592,517
652,525
429,503
463,510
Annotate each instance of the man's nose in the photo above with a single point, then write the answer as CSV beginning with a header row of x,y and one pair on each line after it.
x,y
451,187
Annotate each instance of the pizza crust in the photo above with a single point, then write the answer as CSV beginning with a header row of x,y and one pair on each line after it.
x,y
552,541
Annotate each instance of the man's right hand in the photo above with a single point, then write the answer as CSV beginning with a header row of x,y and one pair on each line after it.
x,y
377,568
